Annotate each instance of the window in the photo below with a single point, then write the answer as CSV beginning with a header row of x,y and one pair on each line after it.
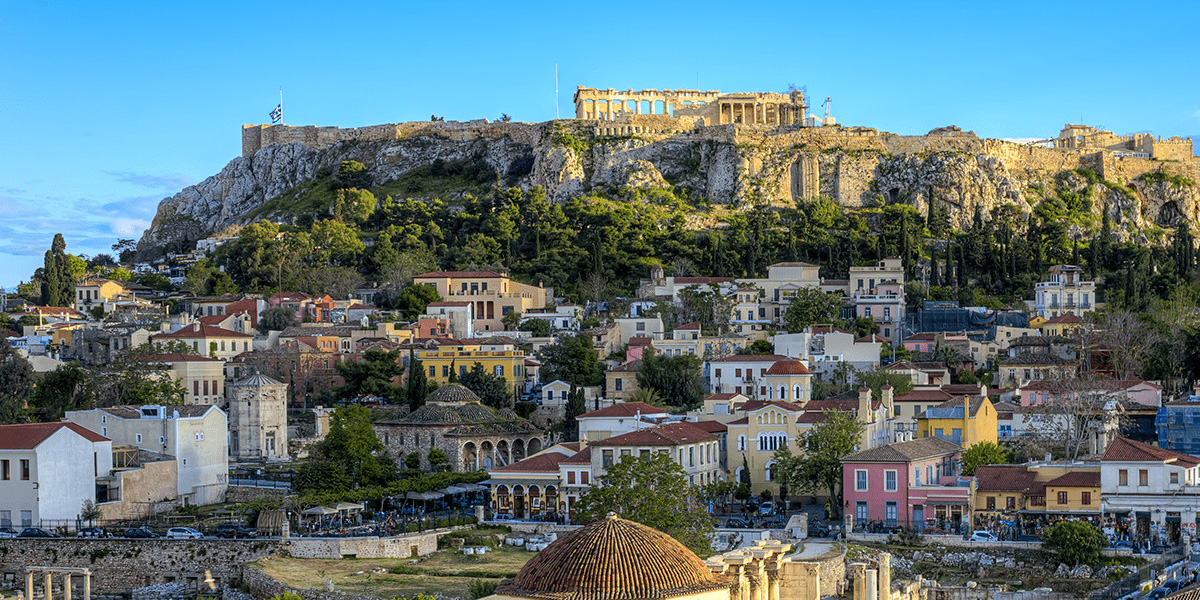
x,y
498,371
445,370
24,469
1174,477
889,481
432,371
4,473
1062,497
991,503
1010,503
199,436
741,443
641,326
860,480
570,477
860,512
607,458
890,514
162,440
1143,477
1085,498
617,383
1123,477
917,476
691,456
583,477
138,438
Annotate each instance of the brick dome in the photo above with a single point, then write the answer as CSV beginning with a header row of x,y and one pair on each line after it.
x,y
613,559
452,393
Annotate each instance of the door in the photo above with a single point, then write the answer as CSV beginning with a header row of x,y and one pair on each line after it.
x,y
919,517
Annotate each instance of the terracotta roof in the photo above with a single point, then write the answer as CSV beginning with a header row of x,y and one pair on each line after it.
x,y
475,274
624,409
870,339
688,326
741,421
924,396
613,559
750,358
1076,479
629,367
202,330
1069,318
822,329
27,436
1127,450
788,367
846,404
902,365
723,396
753,405
905,451
640,340
177,357
667,434
545,462
583,457
695,280
1003,478
810,417
711,426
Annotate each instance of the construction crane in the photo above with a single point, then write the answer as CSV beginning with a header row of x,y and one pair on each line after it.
x,y
828,102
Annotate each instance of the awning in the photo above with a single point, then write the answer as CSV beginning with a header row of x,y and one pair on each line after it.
x,y
320,511
424,496
348,506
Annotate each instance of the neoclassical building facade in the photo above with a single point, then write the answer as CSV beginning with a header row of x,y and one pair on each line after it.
x,y
472,436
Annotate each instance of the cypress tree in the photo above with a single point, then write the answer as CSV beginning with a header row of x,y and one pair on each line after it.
x,y
453,373
56,274
418,384
933,268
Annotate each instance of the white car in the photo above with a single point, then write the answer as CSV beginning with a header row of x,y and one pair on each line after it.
x,y
183,533
983,536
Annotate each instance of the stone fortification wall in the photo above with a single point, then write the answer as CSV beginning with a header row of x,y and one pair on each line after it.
x,y
403,546
118,565
257,137
242,493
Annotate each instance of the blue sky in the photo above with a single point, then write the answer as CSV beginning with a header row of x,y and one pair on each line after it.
x,y
106,108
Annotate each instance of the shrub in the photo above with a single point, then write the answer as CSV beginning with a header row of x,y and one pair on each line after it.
x,y
1074,542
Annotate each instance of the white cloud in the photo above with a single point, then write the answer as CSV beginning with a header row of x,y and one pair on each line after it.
x,y
129,228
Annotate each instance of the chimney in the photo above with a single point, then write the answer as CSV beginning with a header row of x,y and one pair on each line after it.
x,y
864,404
983,389
886,392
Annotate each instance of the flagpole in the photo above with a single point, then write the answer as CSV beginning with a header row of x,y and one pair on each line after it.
x,y
281,106
556,101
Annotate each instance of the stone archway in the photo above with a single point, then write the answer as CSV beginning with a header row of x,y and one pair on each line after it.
x,y
503,455
487,454
534,445
470,457
535,501
518,450
518,502
552,499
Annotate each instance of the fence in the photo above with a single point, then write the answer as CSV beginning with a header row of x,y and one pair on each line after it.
x,y
1147,573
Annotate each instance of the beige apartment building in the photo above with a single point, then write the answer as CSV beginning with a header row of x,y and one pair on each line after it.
x,y
491,294
202,378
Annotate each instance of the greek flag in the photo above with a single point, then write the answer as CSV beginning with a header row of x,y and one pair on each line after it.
x,y
277,114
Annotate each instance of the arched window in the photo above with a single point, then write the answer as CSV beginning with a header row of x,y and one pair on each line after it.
x,y
799,395
741,443
783,392
771,471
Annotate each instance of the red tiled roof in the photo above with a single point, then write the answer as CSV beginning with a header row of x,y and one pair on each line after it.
x,y
711,426
751,358
625,409
177,357
924,396
688,326
723,396
869,339
613,559
1076,479
788,367
921,337
640,340
629,367
1069,319
205,331
741,421
546,462
811,416
905,451
1003,478
821,329
461,274
1127,450
27,436
668,434
583,457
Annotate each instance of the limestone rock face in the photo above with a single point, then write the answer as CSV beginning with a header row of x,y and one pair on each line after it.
x,y
736,166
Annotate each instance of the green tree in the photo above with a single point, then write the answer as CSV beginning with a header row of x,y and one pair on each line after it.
x,y
372,376
1075,542
982,453
69,387
351,448
675,378
204,279
16,385
437,460
759,347
824,445
787,472
276,318
576,405
901,383
492,390
538,327
811,306
573,360
353,174
137,377
651,489
413,299
57,283
353,205
646,396
417,384
335,243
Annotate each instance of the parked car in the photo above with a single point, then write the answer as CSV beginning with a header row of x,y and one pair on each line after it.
x,y
140,533
499,517
93,532
737,524
183,533
766,508
7,532
818,530
1122,544
1173,585
233,531
1158,593
983,536
35,532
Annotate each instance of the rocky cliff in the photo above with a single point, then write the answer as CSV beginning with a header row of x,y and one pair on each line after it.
x,y
732,165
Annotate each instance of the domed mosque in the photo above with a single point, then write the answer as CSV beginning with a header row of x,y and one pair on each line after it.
x,y
617,559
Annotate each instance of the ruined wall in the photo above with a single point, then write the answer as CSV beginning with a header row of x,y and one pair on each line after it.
x,y
118,565
403,546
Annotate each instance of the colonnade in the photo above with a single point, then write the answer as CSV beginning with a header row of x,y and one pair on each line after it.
x,y
754,572
48,574
770,113
611,108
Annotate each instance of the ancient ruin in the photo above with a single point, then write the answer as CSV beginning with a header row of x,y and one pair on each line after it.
x,y
695,107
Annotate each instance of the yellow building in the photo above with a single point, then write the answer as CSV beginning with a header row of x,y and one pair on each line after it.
x,y
620,382
1064,325
202,378
509,364
492,295
1035,493
208,340
965,421
764,427
95,292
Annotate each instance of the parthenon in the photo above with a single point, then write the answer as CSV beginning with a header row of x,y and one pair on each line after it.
x,y
708,107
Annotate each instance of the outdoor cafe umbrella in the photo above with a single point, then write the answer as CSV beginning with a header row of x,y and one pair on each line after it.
x,y
320,511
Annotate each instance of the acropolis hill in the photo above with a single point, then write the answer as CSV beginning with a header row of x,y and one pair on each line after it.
x,y
735,149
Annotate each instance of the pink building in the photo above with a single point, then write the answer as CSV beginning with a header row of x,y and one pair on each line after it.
x,y
908,484
1041,391
921,342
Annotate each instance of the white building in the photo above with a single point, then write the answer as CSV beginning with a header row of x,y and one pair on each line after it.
x,y
47,471
877,293
691,447
826,349
618,419
196,435
1150,486
1065,292
460,316
563,316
